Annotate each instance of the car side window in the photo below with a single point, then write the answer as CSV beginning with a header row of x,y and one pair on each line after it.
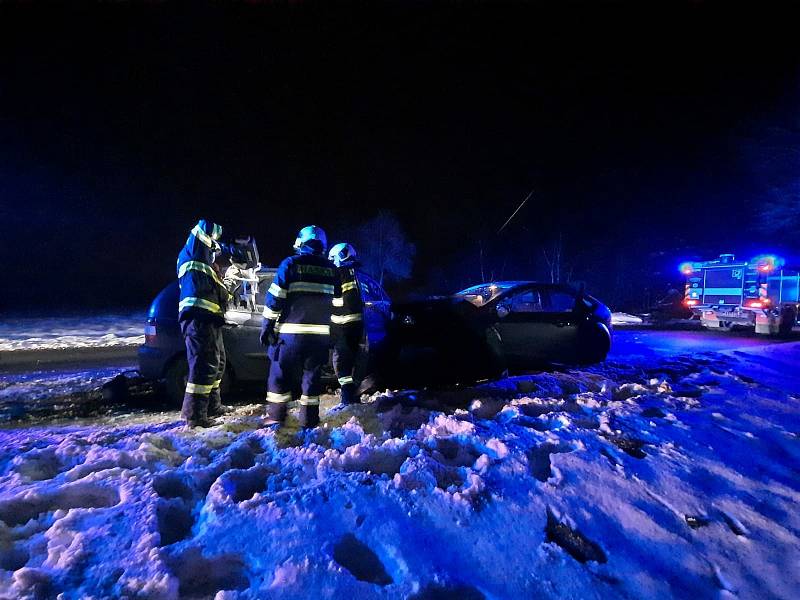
x,y
561,302
529,301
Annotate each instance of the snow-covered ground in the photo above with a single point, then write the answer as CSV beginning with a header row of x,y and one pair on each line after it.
x,y
85,331
621,318
667,477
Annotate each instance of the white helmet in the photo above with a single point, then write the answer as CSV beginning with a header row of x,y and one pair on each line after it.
x,y
342,253
309,233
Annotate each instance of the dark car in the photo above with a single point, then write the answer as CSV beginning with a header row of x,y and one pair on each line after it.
x,y
489,328
163,355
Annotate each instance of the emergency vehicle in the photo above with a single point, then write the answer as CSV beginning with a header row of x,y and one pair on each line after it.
x,y
759,294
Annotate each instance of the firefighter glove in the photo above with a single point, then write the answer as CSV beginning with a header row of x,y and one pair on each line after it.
x,y
268,336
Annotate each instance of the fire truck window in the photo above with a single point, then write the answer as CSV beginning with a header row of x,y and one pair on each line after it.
x,y
561,302
526,302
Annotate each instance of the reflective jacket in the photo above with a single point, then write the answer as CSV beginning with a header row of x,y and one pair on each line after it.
x,y
202,292
301,297
348,314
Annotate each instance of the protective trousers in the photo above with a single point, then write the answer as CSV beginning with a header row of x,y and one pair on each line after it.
x,y
205,353
345,350
296,357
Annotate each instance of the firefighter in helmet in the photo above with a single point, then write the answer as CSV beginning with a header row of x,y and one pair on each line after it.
x,y
203,297
297,326
347,322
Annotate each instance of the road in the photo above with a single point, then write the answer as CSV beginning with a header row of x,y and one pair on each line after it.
x,y
68,384
633,344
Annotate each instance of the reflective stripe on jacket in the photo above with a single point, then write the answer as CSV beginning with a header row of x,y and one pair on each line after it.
x,y
348,308
300,297
202,292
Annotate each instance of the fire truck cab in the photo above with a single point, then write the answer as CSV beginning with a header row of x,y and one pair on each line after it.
x,y
759,294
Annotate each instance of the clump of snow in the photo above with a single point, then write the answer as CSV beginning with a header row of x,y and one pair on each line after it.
x,y
671,478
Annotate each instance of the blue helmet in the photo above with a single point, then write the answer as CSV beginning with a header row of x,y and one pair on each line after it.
x,y
209,233
313,237
342,253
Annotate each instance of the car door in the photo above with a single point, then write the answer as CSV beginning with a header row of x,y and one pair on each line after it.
x,y
534,327
562,314
376,309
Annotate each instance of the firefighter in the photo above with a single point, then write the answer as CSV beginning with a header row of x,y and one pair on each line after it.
x,y
296,326
347,322
203,297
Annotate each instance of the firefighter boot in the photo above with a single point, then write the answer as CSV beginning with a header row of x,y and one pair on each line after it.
x,y
276,413
215,406
195,411
309,416
348,394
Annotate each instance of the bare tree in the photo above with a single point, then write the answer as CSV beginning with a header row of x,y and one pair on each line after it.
x,y
558,268
384,249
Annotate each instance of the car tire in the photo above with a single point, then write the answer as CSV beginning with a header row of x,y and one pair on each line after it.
x,y
175,377
595,345
788,318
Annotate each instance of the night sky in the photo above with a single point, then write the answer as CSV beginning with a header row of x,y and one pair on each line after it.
x,y
639,126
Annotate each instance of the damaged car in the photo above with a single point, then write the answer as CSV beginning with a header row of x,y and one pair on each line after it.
x,y
492,328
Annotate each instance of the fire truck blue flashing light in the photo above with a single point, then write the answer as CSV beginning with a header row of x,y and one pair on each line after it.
x,y
686,268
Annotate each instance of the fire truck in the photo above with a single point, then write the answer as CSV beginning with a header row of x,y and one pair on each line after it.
x,y
759,294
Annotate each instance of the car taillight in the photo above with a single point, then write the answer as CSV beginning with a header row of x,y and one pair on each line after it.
x,y
150,333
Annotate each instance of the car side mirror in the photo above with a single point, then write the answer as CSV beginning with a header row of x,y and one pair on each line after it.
x,y
503,310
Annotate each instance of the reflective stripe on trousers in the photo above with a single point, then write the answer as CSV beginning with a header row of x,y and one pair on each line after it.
x,y
198,388
279,398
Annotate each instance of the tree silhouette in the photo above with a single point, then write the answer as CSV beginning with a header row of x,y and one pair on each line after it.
x,y
772,153
384,249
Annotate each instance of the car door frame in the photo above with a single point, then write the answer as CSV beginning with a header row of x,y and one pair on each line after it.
x,y
553,334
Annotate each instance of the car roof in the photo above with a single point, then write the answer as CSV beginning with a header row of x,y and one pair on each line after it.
x,y
509,285
519,283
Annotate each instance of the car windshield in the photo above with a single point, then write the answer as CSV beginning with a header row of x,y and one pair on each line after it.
x,y
484,293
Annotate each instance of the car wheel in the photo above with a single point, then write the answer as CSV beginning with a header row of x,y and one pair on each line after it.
x,y
595,344
788,318
175,378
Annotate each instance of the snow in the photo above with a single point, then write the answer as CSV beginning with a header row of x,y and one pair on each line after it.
x,y
668,477
83,331
621,318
